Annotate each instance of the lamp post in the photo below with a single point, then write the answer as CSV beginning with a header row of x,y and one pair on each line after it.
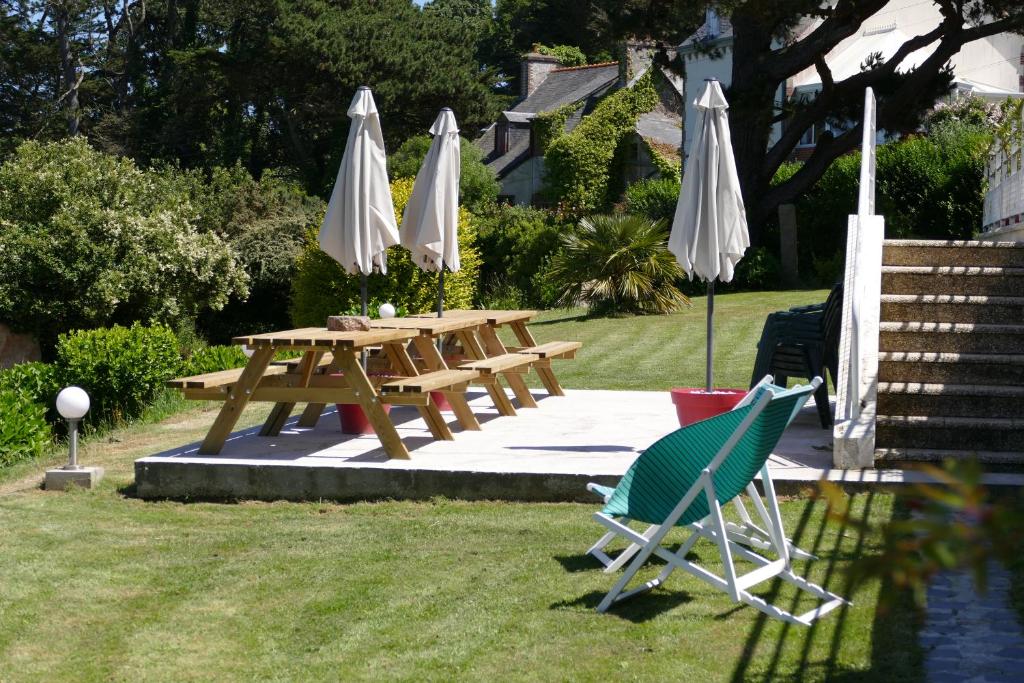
x,y
72,404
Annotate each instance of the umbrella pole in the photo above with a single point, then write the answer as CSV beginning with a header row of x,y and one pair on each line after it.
x,y
363,298
440,303
711,331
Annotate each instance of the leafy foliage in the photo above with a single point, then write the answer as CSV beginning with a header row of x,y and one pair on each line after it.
x,y
88,239
121,368
478,186
568,55
617,264
515,242
322,288
37,381
654,199
24,432
578,163
211,359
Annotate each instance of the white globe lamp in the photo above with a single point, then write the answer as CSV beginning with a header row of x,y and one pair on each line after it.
x,y
386,311
72,404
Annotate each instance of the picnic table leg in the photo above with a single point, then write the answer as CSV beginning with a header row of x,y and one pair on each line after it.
x,y
404,364
518,384
237,400
456,399
496,391
370,403
311,415
280,413
547,376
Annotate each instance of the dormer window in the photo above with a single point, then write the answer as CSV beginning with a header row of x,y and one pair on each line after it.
x,y
501,137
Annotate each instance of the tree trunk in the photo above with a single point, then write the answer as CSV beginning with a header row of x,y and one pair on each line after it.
x,y
69,74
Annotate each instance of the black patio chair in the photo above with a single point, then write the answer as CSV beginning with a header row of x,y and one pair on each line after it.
x,y
803,342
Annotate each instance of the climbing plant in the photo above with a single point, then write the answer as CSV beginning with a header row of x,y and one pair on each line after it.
x,y
579,164
568,55
667,168
549,125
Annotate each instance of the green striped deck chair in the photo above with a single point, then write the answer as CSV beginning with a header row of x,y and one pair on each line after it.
x,y
747,531
684,479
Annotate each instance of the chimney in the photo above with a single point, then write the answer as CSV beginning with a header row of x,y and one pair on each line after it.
x,y
634,57
536,68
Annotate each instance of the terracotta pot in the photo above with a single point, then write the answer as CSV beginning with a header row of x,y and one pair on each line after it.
x,y
694,405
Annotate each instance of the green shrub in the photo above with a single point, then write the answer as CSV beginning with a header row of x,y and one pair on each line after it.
x,y
568,55
38,381
759,269
121,368
88,240
478,185
24,432
212,359
514,241
653,199
617,264
322,288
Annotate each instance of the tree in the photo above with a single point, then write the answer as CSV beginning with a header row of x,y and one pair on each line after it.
x,y
478,186
760,66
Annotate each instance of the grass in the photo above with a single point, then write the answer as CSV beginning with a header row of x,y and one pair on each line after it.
x,y
665,351
98,585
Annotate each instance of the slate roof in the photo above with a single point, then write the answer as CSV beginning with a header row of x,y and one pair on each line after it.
x,y
569,84
701,34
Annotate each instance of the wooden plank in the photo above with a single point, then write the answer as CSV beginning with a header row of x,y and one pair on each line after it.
x,y
475,351
236,402
547,377
311,414
367,397
433,360
280,413
431,381
221,378
493,316
496,348
401,361
553,348
321,338
502,363
429,326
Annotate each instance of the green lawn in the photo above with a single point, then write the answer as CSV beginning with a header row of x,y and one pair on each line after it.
x,y
664,351
100,586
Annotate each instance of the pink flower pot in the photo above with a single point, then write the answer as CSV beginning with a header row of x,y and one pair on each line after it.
x,y
440,401
354,420
694,405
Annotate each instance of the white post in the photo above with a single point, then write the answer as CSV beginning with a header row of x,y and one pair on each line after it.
x,y
856,390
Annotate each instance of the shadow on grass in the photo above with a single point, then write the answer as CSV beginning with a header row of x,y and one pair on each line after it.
x,y
654,604
895,654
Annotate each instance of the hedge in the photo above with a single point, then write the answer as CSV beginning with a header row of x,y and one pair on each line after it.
x,y
24,432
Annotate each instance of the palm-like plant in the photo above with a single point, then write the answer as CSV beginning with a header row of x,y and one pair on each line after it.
x,y
617,264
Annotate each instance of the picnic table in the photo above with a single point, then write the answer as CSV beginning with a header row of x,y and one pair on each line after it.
x,y
330,370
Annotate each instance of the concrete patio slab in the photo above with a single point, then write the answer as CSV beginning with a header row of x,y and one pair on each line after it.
x,y
547,453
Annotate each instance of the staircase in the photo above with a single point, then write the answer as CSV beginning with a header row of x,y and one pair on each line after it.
x,y
951,352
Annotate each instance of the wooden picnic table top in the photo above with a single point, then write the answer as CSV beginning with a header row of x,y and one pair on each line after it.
x,y
431,326
322,338
492,317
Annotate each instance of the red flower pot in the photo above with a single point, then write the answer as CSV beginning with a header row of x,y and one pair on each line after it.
x,y
440,400
694,405
354,420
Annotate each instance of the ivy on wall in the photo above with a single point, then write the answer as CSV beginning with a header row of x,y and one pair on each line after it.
x,y
667,167
549,125
579,164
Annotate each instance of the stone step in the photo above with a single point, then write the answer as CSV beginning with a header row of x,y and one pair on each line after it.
x,y
951,368
949,308
957,280
889,456
952,253
953,433
951,337
950,400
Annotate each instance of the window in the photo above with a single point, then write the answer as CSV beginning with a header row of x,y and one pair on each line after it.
x,y
501,138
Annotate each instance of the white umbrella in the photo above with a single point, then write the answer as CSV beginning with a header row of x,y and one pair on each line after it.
x,y
709,231
360,221
430,223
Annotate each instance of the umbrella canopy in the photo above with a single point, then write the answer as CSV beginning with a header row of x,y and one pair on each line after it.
x,y
709,231
360,221
431,220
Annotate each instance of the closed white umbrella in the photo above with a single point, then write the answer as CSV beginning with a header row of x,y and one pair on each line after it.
x,y
430,223
360,221
709,230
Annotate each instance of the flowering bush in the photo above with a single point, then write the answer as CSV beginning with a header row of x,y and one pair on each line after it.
x,y
89,240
